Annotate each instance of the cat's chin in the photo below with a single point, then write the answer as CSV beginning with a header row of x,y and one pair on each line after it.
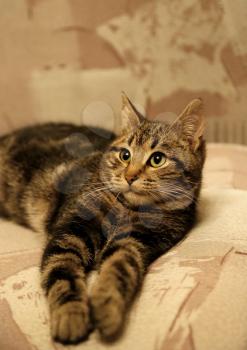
x,y
137,199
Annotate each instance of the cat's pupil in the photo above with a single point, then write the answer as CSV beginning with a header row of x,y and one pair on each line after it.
x,y
126,155
157,158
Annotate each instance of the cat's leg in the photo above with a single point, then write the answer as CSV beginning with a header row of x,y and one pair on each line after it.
x,y
123,266
121,275
63,271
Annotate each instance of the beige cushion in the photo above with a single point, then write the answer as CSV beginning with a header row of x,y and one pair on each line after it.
x,y
226,166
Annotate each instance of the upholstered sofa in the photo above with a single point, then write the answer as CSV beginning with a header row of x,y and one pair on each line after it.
x,y
194,297
63,58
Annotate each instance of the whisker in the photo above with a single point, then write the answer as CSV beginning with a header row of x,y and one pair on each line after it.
x,y
174,191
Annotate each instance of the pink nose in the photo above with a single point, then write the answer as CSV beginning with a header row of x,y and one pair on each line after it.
x,y
131,178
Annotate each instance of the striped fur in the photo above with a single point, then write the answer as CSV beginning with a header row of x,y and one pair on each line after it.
x,y
70,184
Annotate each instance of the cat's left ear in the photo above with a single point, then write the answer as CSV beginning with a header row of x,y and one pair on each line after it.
x,y
130,117
192,124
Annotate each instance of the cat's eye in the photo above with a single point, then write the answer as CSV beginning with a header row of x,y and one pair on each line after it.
x,y
157,159
125,155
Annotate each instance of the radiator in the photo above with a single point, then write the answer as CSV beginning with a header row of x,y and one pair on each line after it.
x,y
226,130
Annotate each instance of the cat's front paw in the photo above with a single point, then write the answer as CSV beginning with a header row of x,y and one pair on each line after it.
x,y
70,323
108,312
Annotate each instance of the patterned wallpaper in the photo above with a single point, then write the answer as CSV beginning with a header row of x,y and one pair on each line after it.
x,y
69,59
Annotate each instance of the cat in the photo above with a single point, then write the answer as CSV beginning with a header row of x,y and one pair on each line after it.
x,y
115,203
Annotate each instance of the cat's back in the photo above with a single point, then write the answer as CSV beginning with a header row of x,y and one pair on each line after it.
x,y
52,142
50,134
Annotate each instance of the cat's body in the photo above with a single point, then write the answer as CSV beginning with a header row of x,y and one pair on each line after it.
x,y
98,208
44,154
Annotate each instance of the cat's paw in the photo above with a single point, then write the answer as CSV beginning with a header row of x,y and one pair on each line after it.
x,y
107,313
70,323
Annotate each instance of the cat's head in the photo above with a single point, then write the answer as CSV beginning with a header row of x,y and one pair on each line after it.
x,y
153,162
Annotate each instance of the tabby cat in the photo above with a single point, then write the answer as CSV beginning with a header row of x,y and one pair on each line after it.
x,y
114,202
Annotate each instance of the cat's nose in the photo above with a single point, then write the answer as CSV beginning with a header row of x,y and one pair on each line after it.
x,y
130,178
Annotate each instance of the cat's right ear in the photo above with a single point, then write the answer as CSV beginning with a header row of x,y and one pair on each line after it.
x,y
130,117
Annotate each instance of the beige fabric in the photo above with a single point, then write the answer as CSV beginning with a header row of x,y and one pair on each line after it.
x,y
226,166
194,297
60,57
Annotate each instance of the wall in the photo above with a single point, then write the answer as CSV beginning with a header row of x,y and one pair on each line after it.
x,y
69,59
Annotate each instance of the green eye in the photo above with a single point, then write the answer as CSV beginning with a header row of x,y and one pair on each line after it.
x,y
125,155
157,159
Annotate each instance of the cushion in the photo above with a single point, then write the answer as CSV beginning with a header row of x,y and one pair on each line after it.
x,y
225,166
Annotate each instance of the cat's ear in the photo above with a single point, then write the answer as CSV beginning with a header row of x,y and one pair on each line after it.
x,y
191,122
130,117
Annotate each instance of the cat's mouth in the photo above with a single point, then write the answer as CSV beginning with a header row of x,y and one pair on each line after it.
x,y
133,190
136,197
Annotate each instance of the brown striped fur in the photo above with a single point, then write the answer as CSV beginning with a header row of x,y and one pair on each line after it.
x,y
97,210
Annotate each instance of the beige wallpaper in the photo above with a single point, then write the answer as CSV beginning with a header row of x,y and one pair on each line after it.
x,y
69,59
